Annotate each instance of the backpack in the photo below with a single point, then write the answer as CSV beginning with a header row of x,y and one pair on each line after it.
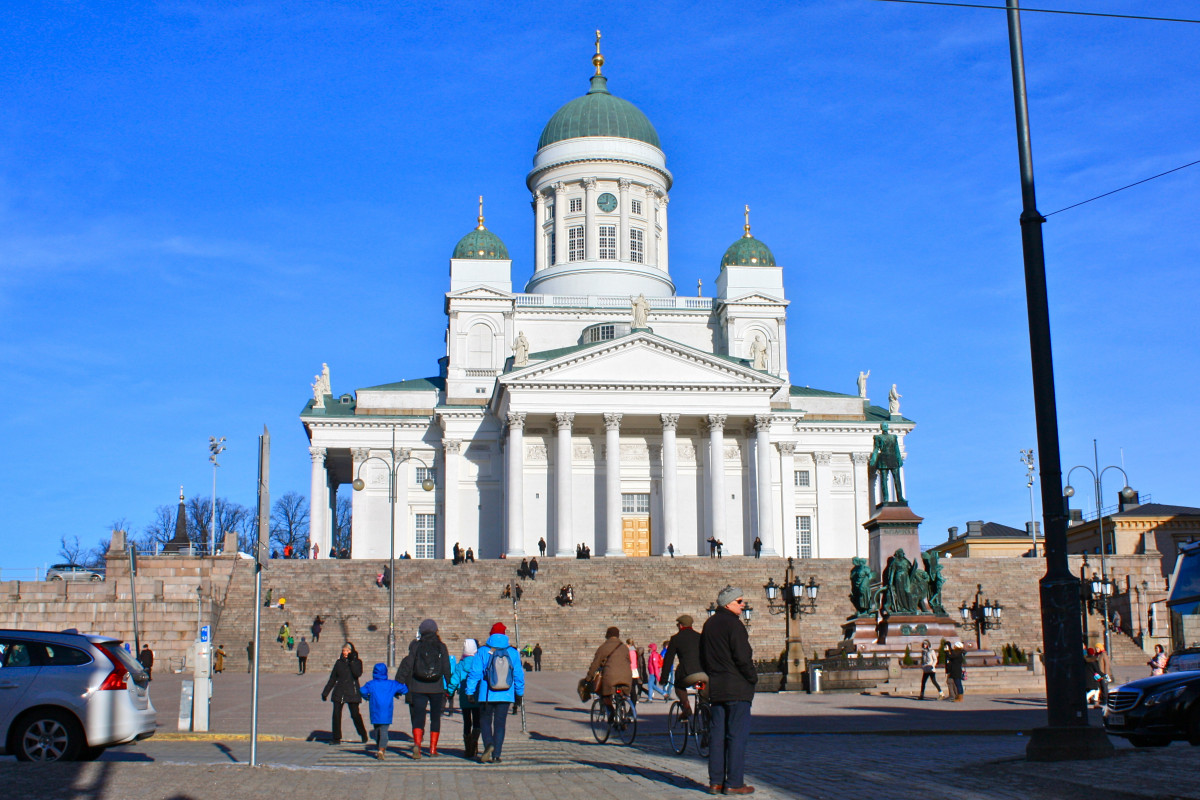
x,y
427,666
499,672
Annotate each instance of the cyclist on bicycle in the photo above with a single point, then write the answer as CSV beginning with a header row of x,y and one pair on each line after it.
x,y
611,662
684,645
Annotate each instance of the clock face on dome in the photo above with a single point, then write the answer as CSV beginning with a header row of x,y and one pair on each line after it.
x,y
606,202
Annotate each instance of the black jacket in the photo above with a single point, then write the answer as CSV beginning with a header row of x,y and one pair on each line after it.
x,y
726,656
343,680
685,646
954,662
404,671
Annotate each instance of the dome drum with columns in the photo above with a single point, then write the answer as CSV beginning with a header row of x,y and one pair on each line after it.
x,y
598,406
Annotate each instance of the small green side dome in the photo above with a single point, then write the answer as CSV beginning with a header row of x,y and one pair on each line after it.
x,y
480,243
599,113
748,252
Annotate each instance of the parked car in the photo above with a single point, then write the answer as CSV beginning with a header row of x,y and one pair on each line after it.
x,y
1184,660
1155,711
73,572
67,696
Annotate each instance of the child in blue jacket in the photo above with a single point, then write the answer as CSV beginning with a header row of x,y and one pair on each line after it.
x,y
381,693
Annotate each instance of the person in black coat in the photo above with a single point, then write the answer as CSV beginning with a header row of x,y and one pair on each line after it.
x,y
955,662
343,684
425,693
684,645
726,655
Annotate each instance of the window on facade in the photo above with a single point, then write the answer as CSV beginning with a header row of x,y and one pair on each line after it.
x,y
550,211
802,477
608,241
552,242
576,204
637,246
601,333
425,536
804,537
637,206
635,504
479,347
422,473
575,243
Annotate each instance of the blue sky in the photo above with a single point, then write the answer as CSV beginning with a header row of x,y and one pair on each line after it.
x,y
202,202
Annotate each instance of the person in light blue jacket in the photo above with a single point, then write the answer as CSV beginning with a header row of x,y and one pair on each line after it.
x,y
494,702
381,693
470,709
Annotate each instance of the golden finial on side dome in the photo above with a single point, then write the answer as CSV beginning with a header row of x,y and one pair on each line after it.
x,y
598,59
746,228
480,227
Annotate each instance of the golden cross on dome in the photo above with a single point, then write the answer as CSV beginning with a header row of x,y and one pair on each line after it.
x,y
746,235
598,59
480,226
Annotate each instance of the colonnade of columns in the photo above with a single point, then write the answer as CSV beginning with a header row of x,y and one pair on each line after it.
x,y
654,214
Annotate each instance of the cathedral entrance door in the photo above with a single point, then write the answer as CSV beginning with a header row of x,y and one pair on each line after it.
x,y
635,535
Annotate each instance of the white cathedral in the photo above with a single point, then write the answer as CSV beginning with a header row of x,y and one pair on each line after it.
x,y
598,406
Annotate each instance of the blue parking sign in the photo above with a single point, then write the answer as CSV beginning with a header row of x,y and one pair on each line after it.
x,y
204,634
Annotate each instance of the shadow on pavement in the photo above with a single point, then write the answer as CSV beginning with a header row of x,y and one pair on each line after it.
x,y
659,776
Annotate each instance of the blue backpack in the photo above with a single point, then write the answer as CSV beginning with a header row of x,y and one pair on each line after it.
x,y
499,671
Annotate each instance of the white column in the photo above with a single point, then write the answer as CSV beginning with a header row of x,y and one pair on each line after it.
x,y
670,480
612,485
862,502
451,450
516,484
623,230
539,233
564,537
663,259
651,209
405,538
591,250
787,470
332,522
318,502
823,477
716,473
560,224
359,504
762,452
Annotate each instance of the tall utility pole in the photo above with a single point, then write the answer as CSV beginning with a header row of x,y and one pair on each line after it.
x,y
1067,734
215,448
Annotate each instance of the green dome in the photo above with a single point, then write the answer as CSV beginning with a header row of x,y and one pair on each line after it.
x,y
598,113
748,252
480,243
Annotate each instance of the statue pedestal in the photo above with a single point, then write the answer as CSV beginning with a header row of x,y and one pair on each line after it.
x,y
894,527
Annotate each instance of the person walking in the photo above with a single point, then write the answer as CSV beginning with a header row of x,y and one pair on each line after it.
x,y
654,662
281,637
146,659
317,624
684,646
344,688
424,671
219,659
302,655
542,547
611,662
928,669
470,708
533,568
671,549
381,694
712,546
496,679
757,547
727,657
1158,664
250,656
1104,670
955,670
537,657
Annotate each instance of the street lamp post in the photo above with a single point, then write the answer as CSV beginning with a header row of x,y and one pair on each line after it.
x,y
215,448
1030,466
359,485
1105,583
794,599
983,617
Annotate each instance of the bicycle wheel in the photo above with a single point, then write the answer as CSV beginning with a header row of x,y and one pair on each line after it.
x,y
625,720
703,729
600,727
677,729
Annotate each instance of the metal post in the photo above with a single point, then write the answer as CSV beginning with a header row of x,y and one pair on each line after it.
x,y
254,677
1103,550
391,645
137,641
520,664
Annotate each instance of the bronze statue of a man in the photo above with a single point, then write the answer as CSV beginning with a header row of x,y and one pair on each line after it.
x,y
886,460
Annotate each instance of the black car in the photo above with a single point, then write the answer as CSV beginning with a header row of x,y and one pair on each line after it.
x,y
1155,711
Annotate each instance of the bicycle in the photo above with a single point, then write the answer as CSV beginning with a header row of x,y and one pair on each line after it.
x,y
622,718
698,725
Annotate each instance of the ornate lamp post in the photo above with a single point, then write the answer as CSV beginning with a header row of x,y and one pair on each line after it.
x,y
215,448
1098,491
712,609
794,599
1030,470
983,617
398,458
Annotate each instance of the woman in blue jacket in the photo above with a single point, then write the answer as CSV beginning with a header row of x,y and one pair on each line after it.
x,y
470,709
494,702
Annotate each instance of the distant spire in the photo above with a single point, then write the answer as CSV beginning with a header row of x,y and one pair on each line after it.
x,y
746,228
480,227
598,59
181,492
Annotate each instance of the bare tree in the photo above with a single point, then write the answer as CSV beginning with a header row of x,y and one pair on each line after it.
x,y
341,524
72,552
159,531
289,521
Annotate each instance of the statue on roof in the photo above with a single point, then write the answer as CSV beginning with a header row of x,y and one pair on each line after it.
x,y
641,311
862,383
894,401
321,387
886,459
758,352
521,350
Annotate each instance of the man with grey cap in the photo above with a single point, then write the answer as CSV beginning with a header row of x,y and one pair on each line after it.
x,y
726,656
684,645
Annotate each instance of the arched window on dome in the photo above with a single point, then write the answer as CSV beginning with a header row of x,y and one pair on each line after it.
x,y
479,347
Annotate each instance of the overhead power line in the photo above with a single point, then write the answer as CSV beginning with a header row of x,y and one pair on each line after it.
x,y
1123,188
1041,10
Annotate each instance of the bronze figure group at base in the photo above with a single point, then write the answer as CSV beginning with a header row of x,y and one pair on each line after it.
x,y
907,587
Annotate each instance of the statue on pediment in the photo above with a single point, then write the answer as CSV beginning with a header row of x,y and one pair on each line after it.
x,y
758,352
641,311
521,350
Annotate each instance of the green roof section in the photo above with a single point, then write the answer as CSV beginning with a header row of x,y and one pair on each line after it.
x,y
414,385
481,243
748,252
599,113
334,407
805,391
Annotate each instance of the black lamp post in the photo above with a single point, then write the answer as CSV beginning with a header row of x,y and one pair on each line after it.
x,y
794,599
981,616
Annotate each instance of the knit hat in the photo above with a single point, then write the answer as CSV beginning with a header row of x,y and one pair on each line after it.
x,y
728,595
685,620
498,628
958,645
470,647
427,626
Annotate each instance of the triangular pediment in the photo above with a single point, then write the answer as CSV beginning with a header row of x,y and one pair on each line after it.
x,y
755,298
640,359
479,292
